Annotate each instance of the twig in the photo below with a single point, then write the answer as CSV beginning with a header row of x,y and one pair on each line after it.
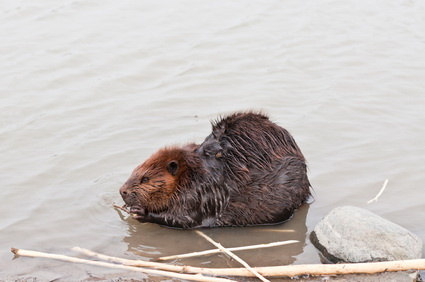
x,y
138,263
214,251
380,192
235,257
197,277
121,208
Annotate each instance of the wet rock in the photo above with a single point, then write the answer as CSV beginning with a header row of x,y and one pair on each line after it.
x,y
350,234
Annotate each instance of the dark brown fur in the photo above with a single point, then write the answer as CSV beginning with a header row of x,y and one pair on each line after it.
x,y
263,168
248,171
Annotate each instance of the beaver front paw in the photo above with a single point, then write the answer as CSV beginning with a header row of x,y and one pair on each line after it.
x,y
138,213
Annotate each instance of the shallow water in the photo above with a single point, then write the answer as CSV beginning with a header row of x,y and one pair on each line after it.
x,y
89,89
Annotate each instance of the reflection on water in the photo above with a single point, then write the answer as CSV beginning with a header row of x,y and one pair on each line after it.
x,y
151,241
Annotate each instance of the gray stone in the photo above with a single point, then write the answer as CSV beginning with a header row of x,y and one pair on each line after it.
x,y
350,234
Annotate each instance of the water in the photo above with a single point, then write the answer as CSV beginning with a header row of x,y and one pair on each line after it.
x,y
89,89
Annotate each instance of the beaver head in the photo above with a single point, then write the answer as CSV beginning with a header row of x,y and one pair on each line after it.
x,y
153,184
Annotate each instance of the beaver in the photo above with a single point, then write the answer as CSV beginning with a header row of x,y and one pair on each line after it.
x,y
248,171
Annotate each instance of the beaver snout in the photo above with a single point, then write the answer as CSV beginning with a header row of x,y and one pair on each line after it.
x,y
128,195
124,191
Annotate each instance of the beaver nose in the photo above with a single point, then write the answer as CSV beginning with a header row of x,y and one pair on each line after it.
x,y
123,191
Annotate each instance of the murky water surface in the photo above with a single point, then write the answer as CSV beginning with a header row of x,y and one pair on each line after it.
x,y
89,89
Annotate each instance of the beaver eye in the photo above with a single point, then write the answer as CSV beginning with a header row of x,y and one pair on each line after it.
x,y
144,179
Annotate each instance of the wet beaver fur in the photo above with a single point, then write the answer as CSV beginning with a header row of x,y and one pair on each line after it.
x,y
175,187
248,171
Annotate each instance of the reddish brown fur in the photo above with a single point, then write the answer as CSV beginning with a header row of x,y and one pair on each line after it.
x,y
160,185
173,194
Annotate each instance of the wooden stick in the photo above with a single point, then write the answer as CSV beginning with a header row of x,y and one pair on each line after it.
x,y
197,277
130,262
214,251
337,269
232,255
278,271
121,208
380,192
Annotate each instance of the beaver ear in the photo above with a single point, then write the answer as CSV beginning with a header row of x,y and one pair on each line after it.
x,y
173,167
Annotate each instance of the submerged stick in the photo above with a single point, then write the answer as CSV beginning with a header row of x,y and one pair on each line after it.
x,y
380,192
232,255
214,251
276,230
197,277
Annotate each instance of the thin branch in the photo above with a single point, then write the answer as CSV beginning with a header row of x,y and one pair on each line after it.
x,y
121,208
214,251
197,277
268,271
232,255
130,262
380,192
